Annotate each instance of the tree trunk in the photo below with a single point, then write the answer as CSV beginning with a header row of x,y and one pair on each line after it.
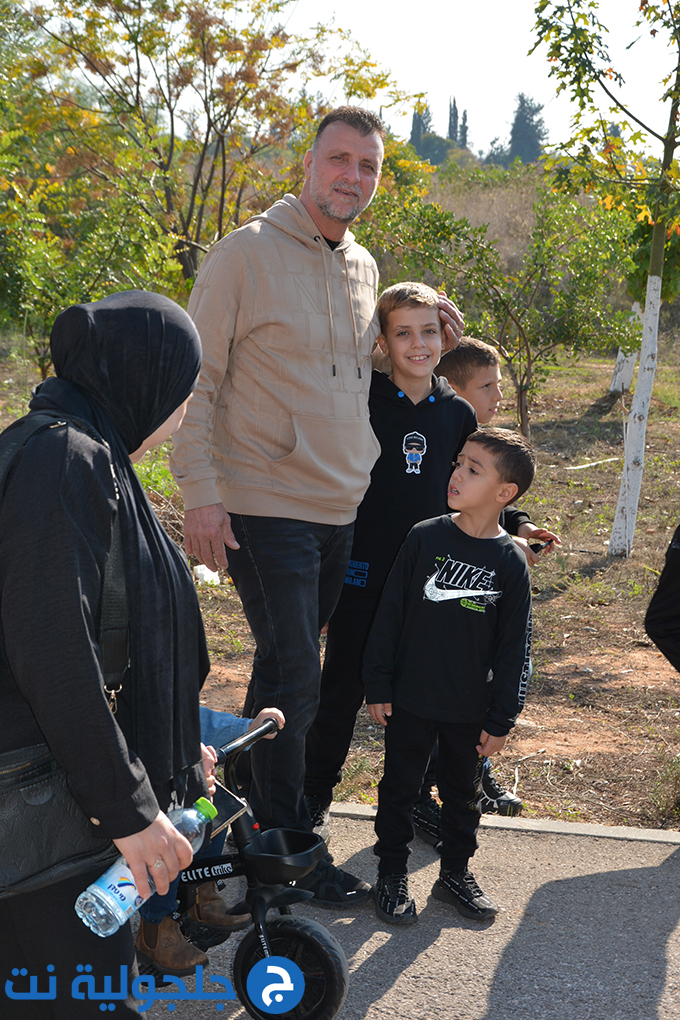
x,y
623,529
523,409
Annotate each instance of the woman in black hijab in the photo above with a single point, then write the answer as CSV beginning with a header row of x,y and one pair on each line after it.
x,y
125,367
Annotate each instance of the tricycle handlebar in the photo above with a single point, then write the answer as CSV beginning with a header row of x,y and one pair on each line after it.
x,y
234,747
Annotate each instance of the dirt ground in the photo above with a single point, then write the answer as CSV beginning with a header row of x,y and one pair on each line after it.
x,y
599,731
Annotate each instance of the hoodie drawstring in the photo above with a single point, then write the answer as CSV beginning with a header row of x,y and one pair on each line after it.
x,y
322,244
351,315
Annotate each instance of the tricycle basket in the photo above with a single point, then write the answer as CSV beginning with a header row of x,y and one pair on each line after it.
x,y
283,855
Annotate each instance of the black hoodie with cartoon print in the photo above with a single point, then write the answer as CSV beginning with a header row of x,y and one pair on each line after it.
x,y
419,443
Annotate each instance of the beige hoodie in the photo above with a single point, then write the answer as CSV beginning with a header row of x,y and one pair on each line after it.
x,y
278,425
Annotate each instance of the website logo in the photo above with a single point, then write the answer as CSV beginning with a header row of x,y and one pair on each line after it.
x,y
275,985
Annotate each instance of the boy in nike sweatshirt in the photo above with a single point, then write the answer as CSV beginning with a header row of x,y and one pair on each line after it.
x,y
455,609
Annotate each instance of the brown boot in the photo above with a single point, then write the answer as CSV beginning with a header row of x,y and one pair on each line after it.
x,y
163,948
211,911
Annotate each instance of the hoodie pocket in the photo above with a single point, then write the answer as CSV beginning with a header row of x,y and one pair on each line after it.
x,y
330,463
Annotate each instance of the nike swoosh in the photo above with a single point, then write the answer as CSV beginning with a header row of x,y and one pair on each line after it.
x,y
434,594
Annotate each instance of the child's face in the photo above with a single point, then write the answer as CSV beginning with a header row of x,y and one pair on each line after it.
x,y
484,392
475,483
413,340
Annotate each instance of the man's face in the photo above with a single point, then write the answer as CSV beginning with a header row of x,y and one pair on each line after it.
x,y
343,172
484,393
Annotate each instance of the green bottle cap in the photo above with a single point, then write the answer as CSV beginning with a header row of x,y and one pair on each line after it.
x,y
205,808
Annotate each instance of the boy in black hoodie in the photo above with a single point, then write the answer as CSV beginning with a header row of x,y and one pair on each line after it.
x,y
455,612
421,426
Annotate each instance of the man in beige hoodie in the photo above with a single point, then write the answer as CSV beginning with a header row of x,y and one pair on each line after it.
x,y
276,449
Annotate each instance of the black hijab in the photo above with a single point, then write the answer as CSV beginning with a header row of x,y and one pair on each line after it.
x,y
124,364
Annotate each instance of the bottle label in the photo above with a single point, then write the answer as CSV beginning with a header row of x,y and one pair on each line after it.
x,y
119,885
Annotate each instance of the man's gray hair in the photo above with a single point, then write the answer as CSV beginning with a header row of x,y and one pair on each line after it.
x,y
363,121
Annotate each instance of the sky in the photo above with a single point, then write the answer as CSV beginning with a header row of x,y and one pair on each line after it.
x,y
477,53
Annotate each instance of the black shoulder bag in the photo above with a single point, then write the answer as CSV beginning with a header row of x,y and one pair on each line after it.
x,y
45,836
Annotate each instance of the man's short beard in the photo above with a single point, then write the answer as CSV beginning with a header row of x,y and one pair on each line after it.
x,y
327,207
328,211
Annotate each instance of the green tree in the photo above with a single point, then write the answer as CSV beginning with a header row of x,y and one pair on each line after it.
x,y
142,133
463,132
453,121
644,186
210,95
435,148
421,124
528,132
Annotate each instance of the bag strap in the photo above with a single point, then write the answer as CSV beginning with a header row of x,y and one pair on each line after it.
x,y
113,625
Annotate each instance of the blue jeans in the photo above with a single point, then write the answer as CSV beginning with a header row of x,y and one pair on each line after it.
x,y
289,575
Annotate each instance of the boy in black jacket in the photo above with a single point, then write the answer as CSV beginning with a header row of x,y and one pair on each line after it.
x,y
421,425
455,610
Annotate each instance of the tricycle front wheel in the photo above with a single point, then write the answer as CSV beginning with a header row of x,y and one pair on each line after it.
x,y
317,953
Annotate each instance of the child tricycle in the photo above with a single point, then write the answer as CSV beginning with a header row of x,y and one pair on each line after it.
x,y
272,862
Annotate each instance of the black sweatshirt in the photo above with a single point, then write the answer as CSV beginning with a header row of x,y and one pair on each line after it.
x,y
419,443
453,609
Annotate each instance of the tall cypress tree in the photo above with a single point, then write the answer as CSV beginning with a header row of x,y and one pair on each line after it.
x,y
453,121
416,130
463,133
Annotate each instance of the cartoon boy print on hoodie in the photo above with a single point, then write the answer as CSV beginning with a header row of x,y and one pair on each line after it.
x,y
414,447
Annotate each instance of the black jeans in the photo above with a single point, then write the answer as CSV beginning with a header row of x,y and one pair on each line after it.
x,y
342,695
408,743
662,621
289,575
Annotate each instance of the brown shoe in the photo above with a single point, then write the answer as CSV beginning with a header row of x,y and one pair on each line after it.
x,y
162,949
211,911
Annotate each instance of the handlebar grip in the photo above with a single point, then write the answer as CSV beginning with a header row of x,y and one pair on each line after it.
x,y
241,743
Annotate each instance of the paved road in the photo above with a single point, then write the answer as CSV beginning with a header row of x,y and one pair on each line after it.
x,y
589,930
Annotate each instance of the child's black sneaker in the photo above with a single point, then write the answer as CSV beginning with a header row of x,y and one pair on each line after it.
x,y
320,813
427,820
463,892
335,888
495,798
393,901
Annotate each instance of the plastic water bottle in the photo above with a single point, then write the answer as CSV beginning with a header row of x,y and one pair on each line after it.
x,y
107,903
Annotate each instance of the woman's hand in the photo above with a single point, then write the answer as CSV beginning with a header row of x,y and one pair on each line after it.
x,y
209,755
160,841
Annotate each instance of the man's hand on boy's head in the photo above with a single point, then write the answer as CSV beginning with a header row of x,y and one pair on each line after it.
x,y
453,323
489,745
380,712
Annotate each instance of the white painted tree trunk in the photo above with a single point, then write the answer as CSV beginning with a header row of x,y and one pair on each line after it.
x,y
623,529
622,379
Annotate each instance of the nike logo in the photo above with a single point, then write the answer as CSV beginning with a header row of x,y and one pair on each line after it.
x,y
434,594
